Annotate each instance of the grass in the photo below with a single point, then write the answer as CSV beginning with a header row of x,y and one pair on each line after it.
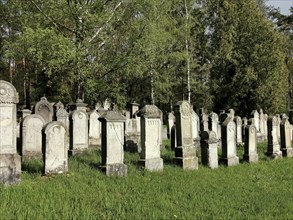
x,y
248,191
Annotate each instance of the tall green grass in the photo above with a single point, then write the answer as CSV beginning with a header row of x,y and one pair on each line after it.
x,y
248,191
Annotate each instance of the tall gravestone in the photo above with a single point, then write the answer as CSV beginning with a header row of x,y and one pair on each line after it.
x,y
286,145
195,129
250,144
10,161
78,132
214,123
278,124
151,125
185,153
171,121
44,109
55,147
229,156
209,149
273,140
112,144
94,129
31,136
255,115
204,120
238,123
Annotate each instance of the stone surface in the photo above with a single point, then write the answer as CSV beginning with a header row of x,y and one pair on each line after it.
x,y
56,154
185,153
195,129
44,109
273,141
132,135
209,149
112,143
171,122
255,115
214,123
95,128
250,144
285,140
78,132
151,135
31,127
238,123
229,157
10,162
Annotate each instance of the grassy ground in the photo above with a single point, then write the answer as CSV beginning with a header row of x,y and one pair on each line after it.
x,y
258,191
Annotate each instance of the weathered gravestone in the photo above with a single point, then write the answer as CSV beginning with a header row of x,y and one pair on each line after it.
x,y
132,135
214,123
229,157
278,124
171,121
10,161
244,123
273,141
44,109
286,146
204,120
112,144
78,132
238,123
250,143
134,107
185,153
151,125
209,149
255,115
55,147
231,113
195,129
95,128
31,136
62,115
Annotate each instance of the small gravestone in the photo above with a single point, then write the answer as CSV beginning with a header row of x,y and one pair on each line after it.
x,y
134,107
238,123
151,125
94,129
10,161
286,145
209,149
195,129
132,135
185,152
112,144
55,147
250,144
62,115
273,141
231,113
31,127
78,132
44,109
229,157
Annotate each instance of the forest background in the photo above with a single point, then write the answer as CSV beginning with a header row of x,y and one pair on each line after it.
x,y
216,54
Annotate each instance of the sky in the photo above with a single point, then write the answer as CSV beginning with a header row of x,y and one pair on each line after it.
x,y
283,5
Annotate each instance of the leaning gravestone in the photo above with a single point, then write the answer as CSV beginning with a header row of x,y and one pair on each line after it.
x,y
112,144
273,141
286,145
55,146
10,161
78,132
229,157
151,135
185,153
209,149
44,109
250,144
31,127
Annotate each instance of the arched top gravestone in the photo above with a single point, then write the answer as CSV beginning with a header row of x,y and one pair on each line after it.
x,y
8,93
44,109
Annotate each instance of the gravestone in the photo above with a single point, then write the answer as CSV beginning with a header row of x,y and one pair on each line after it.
x,y
31,127
250,144
10,161
95,128
231,113
262,124
286,145
107,104
26,112
195,129
209,149
273,141
112,144
62,115
255,115
132,135
244,123
185,153
44,109
134,107
171,121
229,157
238,123
204,123
78,132
214,123
278,124
265,127
151,125
55,147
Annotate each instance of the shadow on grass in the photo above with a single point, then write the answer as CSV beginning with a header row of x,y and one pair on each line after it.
x,y
32,166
